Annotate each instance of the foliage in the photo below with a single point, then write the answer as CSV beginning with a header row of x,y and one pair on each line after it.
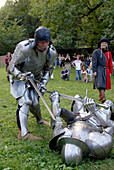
x,y
16,24
75,23
10,36
33,155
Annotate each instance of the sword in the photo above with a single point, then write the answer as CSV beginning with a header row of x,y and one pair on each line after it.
x,y
66,96
78,99
39,93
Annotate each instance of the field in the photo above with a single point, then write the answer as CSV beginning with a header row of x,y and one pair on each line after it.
x,y
36,155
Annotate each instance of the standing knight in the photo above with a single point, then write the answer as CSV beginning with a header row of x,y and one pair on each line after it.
x,y
33,57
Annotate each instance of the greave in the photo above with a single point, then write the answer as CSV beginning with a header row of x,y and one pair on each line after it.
x,y
35,110
23,117
56,111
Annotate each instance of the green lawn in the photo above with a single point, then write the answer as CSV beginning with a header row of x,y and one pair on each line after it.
x,y
32,155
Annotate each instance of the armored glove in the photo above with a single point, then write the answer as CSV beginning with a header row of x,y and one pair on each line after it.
x,y
24,76
42,87
55,96
90,105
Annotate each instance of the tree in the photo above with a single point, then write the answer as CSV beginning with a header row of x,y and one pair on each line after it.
x,y
10,36
75,23
72,23
16,24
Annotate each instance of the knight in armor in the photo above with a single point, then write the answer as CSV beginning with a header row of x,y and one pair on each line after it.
x,y
88,132
33,57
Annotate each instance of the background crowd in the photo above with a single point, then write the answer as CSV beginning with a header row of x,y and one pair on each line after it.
x,y
82,65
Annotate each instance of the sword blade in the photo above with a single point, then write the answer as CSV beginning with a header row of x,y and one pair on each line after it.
x,y
78,99
67,96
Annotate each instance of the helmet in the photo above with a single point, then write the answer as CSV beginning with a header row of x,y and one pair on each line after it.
x,y
71,154
57,133
72,149
42,34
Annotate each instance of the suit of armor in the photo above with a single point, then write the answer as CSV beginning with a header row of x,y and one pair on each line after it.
x,y
88,133
27,58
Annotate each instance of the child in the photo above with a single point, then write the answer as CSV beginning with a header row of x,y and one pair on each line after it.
x,y
85,77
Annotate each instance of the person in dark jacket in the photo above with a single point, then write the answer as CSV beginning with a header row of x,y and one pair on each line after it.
x,y
99,64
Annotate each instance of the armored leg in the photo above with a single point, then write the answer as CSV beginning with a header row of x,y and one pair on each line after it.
x,y
67,115
56,109
35,107
35,110
17,116
23,117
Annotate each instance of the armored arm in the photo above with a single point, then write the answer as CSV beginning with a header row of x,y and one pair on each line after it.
x,y
17,59
48,69
102,117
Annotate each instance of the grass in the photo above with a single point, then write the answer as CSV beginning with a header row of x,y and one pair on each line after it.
x,y
35,155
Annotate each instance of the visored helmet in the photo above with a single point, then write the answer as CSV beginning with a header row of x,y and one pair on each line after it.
x,y
71,154
42,34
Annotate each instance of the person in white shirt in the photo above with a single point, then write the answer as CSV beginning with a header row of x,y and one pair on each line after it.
x,y
77,65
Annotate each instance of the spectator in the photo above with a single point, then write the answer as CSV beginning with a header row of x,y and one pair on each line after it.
x,y
87,62
82,57
56,60
85,77
91,71
65,74
102,68
83,67
60,60
68,63
74,57
77,65
7,60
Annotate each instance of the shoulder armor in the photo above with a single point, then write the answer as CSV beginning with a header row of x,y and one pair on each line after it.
x,y
22,50
26,45
53,51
